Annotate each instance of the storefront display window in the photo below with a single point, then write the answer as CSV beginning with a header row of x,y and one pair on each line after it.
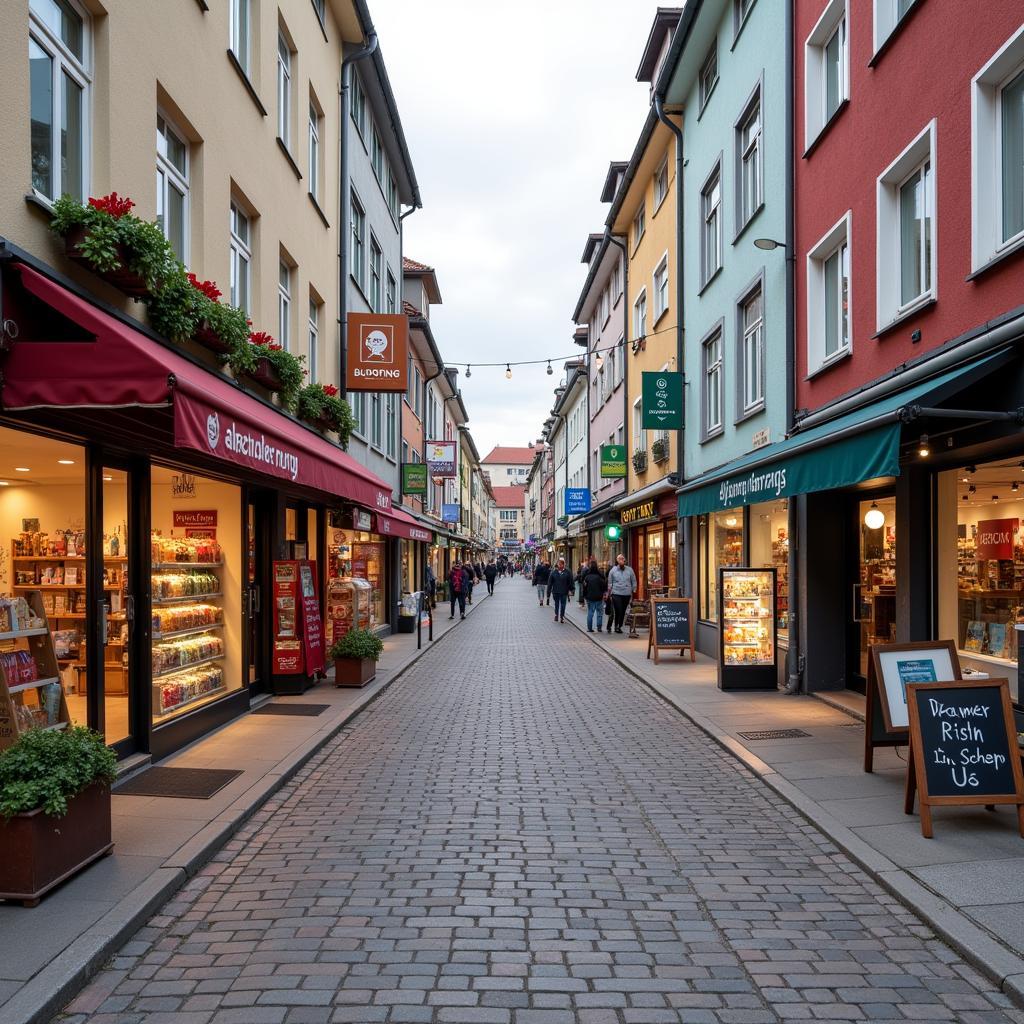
x,y
358,553
981,564
655,559
875,592
720,543
769,548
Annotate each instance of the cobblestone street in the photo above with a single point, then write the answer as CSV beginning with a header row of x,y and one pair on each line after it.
x,y
519,832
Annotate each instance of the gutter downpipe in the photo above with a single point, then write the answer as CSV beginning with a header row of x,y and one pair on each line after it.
x,y
621,245
345,227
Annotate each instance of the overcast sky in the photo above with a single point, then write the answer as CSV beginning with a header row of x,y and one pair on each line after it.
x,y
512,112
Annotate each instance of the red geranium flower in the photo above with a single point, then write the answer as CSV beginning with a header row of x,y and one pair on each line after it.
x,y
117,206
261,338
329,390
208,288
274,347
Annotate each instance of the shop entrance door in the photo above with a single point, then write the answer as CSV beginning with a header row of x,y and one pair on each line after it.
x,y
255,589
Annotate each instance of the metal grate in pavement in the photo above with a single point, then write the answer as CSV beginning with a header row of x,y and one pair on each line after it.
x,y
774,734
184,783
301,710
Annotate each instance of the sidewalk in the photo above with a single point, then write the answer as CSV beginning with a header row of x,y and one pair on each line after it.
x,y
967,882
50,951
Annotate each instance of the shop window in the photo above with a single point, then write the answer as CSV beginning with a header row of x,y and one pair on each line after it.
x,y
769,548
720,542
353,553
981,564
875,591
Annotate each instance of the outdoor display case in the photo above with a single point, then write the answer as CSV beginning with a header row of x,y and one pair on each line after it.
x,y
348,606
748,629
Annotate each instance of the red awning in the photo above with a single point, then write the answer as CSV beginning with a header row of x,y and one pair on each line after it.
x,y
122,368
398,523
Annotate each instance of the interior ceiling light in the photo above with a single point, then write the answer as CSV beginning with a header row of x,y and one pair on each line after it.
x,y
65,462
22,469
5,483
923,448
731,521
995,497
874,518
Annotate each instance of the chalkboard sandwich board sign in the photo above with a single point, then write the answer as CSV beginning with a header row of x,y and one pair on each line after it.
x,y
963,745
671,627
891,668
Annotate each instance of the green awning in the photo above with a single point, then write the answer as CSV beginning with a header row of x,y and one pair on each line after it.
x,y
859,446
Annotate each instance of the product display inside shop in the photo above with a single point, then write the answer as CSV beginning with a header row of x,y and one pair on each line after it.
x,y
354,553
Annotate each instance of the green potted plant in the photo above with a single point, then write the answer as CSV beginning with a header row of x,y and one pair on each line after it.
x,y
187,309
54,809
103,235
320,406
355,657
263,361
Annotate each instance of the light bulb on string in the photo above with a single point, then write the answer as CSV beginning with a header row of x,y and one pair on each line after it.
x,y
550,371
469,371
599,361
508,371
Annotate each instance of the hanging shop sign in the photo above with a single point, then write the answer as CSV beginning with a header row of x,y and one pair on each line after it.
x,y
635,514
450,513
613,462
442,460
183,485
361,520
414,478
995,539
377,347
662,401
202,519
577,501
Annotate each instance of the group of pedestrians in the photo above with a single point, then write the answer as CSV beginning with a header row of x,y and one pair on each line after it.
x,y
464,576
603,594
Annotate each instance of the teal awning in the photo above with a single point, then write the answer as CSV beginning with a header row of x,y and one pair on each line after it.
x,y
859,446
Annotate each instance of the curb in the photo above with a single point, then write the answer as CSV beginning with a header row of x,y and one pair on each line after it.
x,y
970,940
53,987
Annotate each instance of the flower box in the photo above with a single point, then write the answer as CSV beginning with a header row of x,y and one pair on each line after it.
x,y
660,449
41,851
321,423
640,461
354,671
206,336
127,281
264,374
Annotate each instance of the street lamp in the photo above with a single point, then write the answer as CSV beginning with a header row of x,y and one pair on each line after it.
x,y
768,244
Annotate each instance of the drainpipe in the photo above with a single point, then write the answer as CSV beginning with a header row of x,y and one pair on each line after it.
x,y
621,245
345,227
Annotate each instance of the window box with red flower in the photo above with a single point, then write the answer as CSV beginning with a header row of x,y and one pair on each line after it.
x,y
103,235
263,361
320,406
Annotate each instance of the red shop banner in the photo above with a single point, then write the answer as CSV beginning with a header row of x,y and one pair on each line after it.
x,y
995,539
312,627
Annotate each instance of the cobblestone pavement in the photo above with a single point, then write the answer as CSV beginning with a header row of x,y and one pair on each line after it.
x,y
518,832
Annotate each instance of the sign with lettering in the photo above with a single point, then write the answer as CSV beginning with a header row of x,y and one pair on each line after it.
x,y
577,501
895,666
995,539
642,513
662,400
964,745
196,519
442,460
183,485
450,513
376,352
671,626
613,462
414,478
312,628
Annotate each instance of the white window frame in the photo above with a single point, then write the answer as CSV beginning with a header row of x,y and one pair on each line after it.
x,y
357,254
640,324
170,176
750,372
617,280
391,293
660,288
315,116
889,307
284,303
377,160
376,296
740,16
313,351
639,224
284,90
886,19
987,243
707,211
639,433
391,424
240,32
240,256
837,236
660,184
712,376
834,17
706,85
357,103
749,160
63,61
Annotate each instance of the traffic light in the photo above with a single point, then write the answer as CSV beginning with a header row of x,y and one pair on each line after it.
x,y
612,532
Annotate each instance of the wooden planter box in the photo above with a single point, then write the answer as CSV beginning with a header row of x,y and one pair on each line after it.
x,y
126,280
210,339
321,423
265,374
41,851
354,671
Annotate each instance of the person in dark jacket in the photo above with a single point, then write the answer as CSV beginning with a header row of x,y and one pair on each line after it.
x,y
467,572
560,586
457,590
490,571
594,587
540,580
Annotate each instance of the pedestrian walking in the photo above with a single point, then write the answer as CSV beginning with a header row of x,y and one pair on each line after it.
x,y
621,587
490,571
540,580
580,573
560,586
457,590
468,579
593,588
430,582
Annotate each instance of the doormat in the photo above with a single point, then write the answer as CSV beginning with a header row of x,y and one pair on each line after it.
x,y
183,783
303,710
774,734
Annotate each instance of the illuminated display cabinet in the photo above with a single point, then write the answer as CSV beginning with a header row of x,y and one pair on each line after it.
x,y
748,629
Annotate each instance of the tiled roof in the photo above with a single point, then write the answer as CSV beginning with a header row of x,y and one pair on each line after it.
x,y
509,497
518,456
414,267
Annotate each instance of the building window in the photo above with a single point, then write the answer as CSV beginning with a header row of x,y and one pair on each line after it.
x,y
639,434
639,226
661,288
997,144
711,232
828,296
313,352
888,14
314,150
58,58
391,407
172,187
377,156
392,194
240,19
241,257
358,403
749,166
320,6
376,421
640,316
392,293
284,91
358,255
284,304
376,268
417,387
751,351
906,230
661,184
741,8
711,393
827,62
708,74
620,364
357,103
617,281
610,373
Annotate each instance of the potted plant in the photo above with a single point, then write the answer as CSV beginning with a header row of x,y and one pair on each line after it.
x,y
640,460
103,235
355,657
54,809
319,405
265,362
660,449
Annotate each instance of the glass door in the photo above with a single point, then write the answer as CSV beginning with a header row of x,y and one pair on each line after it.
x,y
257,553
